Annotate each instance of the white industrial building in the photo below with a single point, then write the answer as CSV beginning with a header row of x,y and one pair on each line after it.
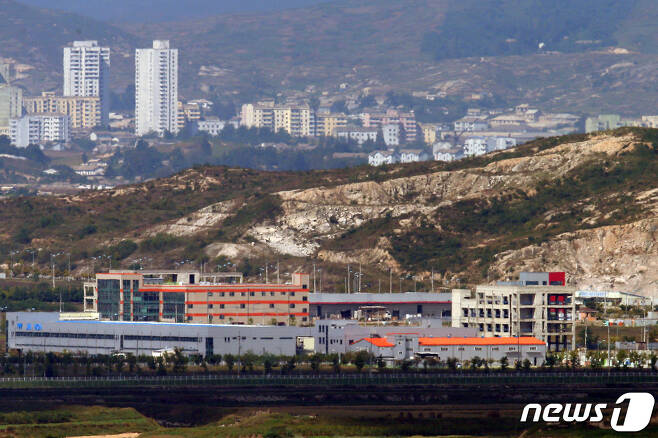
x,y
413,155
156,89
86,73
39,129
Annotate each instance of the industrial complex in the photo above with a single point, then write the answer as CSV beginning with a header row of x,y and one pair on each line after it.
x,y
142,312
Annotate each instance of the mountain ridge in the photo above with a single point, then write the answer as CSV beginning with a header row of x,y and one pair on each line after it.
x,y
537,206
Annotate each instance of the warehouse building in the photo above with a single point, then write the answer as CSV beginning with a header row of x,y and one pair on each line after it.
x,y
85,333
404,346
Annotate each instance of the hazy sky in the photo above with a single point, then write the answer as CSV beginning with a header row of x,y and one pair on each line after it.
x,y
164,10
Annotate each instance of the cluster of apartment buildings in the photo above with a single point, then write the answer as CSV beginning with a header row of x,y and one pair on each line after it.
x,y
604,122
85,101
394,126
144,311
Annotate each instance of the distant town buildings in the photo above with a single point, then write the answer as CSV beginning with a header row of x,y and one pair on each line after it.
x,y
156,89
84,112
293,119
11,105
378,158
604,122
404,121
211,125
86,74
391,134
39,129
188,113
413,155
326,123
356,133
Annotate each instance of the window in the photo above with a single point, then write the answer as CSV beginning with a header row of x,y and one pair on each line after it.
x,y
444,348
242,306
292,306
210,306
271,306
190,306
251,294
221,306
231,294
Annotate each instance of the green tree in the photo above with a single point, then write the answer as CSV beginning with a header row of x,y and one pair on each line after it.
x,y
229,359
504,363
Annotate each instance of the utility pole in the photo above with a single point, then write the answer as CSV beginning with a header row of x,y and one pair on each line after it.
x,y
278,280
348,278
266,272
390,280
359,277
314,289
432,280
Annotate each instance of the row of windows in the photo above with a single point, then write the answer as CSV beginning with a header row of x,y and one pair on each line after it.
x,y
64,335
241,306
160,338
251,294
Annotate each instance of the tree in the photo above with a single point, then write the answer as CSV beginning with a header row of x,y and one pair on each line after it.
x,y
405,365
622,355
360,361
526,364
504,363
316,360
180,361
229,359
476,362
452,363
574,359
550,360
335,363
653,358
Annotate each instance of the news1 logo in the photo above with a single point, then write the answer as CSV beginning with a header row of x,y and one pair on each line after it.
x,y
638,413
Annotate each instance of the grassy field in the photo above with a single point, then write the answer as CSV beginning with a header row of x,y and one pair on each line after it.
x,y
291,422
74,421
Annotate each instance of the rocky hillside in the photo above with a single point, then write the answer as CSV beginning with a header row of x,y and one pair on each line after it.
x,y
584,204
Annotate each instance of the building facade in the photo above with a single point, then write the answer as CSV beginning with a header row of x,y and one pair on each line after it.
x,y
358,134
39,129
405,121
405,346
83,112
378,158
396,306
171,296
293,119
326,124
544,312
86,74
211,125
156,89
11,105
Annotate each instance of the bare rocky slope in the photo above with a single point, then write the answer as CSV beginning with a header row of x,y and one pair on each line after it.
x,y
599,252
587,205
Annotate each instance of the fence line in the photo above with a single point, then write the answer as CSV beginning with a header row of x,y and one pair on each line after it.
x,y
335,379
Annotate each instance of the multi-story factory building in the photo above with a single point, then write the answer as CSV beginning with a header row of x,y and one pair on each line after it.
x,y
519,309
173,296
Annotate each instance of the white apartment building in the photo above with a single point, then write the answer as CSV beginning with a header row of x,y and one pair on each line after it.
x,y
391,134
413,155
39,129
471,124
11,104
444,156
544,312
360,135
377,158
86,73
474,146
211,125
156,89
294,119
